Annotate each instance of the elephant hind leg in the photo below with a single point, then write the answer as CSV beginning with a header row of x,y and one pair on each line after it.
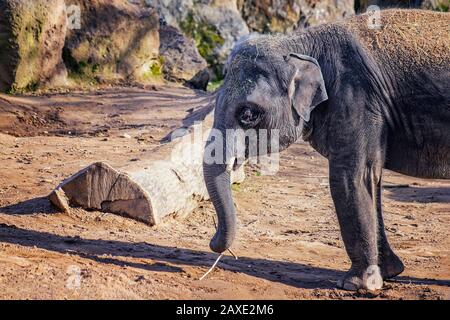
x,y
390,265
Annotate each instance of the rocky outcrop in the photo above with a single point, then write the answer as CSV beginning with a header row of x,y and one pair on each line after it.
x,y
148,40
31,40
181,60
282,16
200,80
214,25
224,17
118,40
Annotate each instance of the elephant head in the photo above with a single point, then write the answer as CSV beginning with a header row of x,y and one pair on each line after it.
x,y
263,89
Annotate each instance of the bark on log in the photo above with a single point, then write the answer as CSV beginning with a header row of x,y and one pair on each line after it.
x,y
169,182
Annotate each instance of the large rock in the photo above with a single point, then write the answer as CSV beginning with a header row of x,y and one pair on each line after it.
x,y
31,40
172,12
118,40
214,25
181,58
282,16
226,19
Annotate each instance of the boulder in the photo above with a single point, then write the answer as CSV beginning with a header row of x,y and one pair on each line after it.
x,y
181,58
172,12
200,80
31,40
118,40
224,17
213,25
284,16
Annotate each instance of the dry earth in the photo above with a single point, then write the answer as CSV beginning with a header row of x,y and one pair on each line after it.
x,y
289,244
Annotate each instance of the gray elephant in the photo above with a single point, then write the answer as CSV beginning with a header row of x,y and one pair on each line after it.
x,y
365,97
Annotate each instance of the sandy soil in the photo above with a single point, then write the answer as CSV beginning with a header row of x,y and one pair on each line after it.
x,y
289,244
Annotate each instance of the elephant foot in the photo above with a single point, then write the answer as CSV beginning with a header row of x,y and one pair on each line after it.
x,y
369,279
391,266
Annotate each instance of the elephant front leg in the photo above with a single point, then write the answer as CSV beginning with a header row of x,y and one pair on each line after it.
x,y
353,189
390,264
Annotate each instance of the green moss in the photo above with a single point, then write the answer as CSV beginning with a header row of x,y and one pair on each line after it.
x,y
82,79
236,187
157,66
30,87
155,70
22,35
95,67
80,72
27,30
206,38
214,85
442,6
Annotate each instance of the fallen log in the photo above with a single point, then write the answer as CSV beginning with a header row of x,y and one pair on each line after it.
x,y
168,182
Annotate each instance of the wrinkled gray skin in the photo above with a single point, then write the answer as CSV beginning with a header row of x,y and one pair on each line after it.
x,y
361,115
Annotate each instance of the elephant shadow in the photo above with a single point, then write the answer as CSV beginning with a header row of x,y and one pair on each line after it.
x,y
169,259
172,259
409,193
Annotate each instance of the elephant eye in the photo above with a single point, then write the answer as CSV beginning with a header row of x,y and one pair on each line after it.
x,y
249,116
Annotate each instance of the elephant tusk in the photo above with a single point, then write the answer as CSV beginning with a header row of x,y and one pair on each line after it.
x,y
230,165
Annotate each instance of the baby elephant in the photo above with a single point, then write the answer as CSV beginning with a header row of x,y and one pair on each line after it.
x,y
365,97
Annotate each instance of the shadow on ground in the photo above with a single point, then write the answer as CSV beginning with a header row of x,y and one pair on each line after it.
x,y
172,259
30,207
420,194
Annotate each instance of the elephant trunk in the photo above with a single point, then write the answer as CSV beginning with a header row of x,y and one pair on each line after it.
x,y
217,179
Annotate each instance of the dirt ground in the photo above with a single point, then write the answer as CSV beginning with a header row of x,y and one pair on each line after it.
x,y
289,245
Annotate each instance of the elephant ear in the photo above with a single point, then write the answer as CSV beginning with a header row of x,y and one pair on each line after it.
x,y
307,88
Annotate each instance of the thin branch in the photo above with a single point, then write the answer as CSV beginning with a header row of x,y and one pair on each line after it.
x,y
213,266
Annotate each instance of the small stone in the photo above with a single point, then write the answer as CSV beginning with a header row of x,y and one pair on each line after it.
x,y
126,136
